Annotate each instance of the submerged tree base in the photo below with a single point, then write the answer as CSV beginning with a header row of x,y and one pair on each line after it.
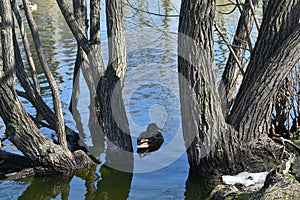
x,y
17,170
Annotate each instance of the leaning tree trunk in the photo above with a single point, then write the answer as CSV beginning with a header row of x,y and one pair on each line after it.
x,y
60,128
257,92
20,129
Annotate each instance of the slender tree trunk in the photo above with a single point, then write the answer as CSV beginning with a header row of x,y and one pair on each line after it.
x,y
232,73
20,129
27,47
80,14
60,128
112,115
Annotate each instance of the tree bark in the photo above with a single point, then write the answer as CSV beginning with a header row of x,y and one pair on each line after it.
x,y
209,142
116,38
95,57
112,115
60,127
280,21
20,129
212,145
230,83
27,47
80,14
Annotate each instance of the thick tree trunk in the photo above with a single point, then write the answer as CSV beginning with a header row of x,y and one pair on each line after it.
x,y
209,147
232,73
280,21
212,145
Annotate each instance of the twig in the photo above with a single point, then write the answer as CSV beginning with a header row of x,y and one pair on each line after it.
x,y
283,140
254,16
230,49
148,12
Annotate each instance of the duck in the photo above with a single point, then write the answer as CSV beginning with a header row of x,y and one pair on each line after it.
x,y
32,6
151,139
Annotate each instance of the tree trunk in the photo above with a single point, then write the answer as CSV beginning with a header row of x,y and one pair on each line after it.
x,y
112,115
60,126
280,21
204,128
20,129
212,145
80,14
232,72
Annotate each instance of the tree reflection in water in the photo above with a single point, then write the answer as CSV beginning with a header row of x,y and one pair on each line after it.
x,y
112,184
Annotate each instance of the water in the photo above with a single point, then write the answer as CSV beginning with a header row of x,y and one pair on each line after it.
x,y
150,95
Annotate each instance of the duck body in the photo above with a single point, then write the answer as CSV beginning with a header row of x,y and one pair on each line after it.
x,y
32,6
151,139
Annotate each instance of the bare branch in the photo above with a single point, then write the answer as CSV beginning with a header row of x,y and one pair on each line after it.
x,y
54,88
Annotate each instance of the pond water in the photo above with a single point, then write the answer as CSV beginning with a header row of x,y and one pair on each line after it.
x,y
150,95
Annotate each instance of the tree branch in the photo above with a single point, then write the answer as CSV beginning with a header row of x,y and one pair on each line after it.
x,y
54,88
74,26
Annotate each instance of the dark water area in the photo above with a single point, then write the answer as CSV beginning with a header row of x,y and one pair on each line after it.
x,y
150,95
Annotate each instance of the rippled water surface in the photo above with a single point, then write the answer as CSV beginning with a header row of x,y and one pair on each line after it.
x,y
150,95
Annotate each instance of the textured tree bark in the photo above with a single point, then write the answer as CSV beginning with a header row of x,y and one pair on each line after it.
x,y
109,82
212,145
280,21
208,140
112,115
116,38
20,129
60,127
230,83
94,55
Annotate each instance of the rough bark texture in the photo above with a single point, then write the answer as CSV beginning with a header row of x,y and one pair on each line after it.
x,y
111,112
281,20
204,128
212,145
116,38
20,129
112,115
229,85
60,127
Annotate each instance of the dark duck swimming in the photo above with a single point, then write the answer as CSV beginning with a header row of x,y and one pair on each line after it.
x,y
151,139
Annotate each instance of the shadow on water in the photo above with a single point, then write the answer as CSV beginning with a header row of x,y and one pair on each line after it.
x,y
112,184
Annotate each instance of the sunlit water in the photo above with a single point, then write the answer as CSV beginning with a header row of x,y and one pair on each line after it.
x,y
150,95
